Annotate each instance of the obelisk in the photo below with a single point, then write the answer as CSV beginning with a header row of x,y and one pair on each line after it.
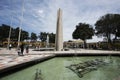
x,y
59,32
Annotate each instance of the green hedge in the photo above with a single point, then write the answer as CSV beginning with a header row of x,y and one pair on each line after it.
x,y
107,46
116,45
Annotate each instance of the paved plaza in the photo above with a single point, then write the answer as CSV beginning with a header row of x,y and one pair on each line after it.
x,y
10,58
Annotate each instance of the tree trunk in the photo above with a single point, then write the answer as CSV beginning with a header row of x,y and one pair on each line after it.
x,y
85,45
115,38
109,42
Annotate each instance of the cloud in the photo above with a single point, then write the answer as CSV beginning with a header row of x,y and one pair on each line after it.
x,y
75,11
41,15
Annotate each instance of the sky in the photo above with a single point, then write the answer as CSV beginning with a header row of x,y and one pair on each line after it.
x,y
41,15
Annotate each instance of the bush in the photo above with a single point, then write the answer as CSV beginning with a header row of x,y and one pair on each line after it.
x,y
104,46
116,46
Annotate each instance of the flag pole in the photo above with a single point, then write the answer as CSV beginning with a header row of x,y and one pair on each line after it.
x,y
10,28
19,36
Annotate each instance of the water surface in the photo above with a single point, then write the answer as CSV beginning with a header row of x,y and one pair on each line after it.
x,y
55,69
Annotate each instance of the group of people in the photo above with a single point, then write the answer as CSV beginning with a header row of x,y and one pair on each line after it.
x,y
21,49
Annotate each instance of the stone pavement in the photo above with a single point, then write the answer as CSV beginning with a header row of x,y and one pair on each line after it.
x,y
10,58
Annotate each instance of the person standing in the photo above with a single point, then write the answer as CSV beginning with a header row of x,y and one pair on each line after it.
x,y
27,48
10,46
22,48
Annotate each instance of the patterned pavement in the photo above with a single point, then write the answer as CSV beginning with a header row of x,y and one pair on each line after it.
x,y
10,58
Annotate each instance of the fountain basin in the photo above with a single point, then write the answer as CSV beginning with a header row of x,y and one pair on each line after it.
x,y
55,69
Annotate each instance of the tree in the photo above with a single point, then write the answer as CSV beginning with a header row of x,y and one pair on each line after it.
x,y
24,35
116,25
4,32
83,31
16,33
51,38
43,36
107,25
33,36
